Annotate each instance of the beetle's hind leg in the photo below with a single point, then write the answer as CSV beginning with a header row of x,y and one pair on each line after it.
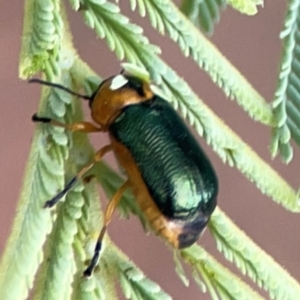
x,y
98,156
107,218
78,126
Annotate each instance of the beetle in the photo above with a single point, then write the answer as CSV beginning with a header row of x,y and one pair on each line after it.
x,y
170,176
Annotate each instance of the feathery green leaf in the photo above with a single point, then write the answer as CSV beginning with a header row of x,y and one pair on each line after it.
x,y
23,253
220,282
251,260
42,34
286,105
206,55
203,14
123,37
58,268
134,284
179,269
56,155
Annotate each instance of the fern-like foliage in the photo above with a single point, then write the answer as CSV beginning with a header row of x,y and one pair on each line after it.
x,y
219,281
203,13
250,259
55,263
134,283
286,105
166,17
41,44
56,155
44,175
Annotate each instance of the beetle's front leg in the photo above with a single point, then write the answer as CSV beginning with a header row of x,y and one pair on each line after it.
x,y
78,126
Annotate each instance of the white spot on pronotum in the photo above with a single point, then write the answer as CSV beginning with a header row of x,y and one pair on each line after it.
x,y
118,82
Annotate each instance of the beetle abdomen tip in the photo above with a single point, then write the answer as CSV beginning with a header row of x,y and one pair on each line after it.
x,y
192,231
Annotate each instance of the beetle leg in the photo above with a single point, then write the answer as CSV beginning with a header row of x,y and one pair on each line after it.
x,y
107,218
98,156
79,126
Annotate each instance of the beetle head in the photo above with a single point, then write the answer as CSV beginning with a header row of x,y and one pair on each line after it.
x,y
114,94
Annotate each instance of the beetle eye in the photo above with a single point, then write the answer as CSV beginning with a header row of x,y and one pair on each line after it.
x,y
137,85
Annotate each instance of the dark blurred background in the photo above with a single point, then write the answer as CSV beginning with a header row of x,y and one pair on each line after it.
x,y
253,46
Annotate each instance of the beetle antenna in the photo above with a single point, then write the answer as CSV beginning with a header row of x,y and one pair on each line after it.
x,y
59,86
